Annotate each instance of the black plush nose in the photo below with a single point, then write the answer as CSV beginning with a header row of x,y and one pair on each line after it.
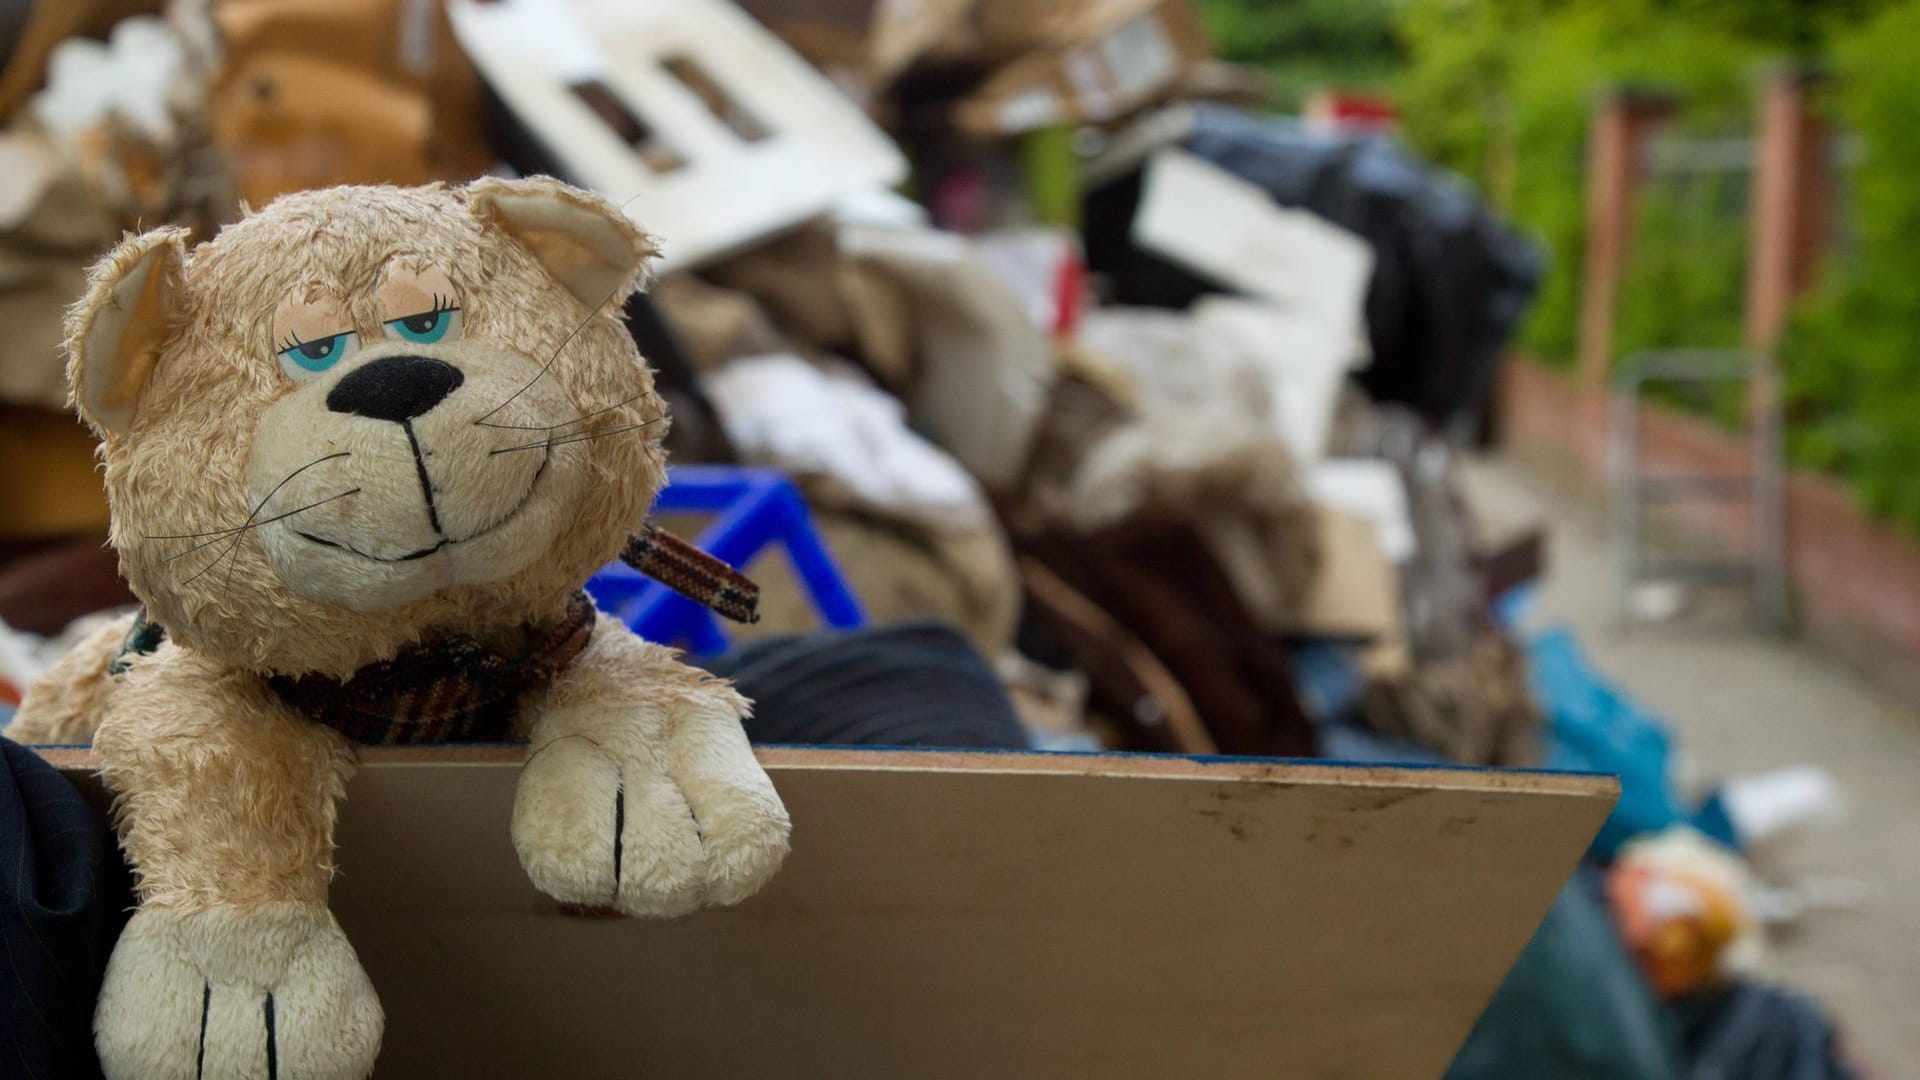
x,y
396,388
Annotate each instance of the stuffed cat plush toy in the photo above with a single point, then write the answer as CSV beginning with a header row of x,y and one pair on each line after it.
x,y
362,450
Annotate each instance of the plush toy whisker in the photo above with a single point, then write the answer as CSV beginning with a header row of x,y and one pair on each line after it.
x,y
243,530
238,529
257,507
578,437
566,423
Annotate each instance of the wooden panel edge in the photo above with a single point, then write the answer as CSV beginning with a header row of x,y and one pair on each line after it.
x,y
778,759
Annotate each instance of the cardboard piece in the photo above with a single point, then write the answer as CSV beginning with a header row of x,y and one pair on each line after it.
x,y
1369,488
1356,594
1090,62
828,299
1004,29
709,131
974,914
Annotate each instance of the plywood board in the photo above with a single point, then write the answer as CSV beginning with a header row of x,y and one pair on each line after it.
x,y
977,915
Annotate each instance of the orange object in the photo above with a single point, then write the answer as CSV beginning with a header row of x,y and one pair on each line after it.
x,y
313,93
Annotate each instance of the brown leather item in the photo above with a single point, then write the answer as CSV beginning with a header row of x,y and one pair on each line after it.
x,y
1159,580
48,479
1127,681
1516,562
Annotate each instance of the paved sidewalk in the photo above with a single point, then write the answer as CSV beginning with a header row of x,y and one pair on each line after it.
x,y
1742,703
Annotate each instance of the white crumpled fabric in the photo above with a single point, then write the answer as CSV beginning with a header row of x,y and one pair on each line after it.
x,y
829,420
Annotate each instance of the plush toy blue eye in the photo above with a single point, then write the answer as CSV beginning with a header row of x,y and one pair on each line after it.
x,y
426,327
305,359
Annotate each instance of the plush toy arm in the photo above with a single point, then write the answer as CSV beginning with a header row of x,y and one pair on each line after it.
x,y
233,965
641,792
66,703
223,796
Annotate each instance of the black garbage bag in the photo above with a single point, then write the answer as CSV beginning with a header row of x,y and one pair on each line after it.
x,y
67,896
908,684
1753,1032
1451,282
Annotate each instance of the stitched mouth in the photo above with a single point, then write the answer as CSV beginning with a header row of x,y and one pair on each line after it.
x,y
444,542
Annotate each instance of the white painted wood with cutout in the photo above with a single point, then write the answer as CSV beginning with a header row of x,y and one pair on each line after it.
x,y
710,189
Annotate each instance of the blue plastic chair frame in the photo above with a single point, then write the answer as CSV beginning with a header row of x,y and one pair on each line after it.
x,y
754,508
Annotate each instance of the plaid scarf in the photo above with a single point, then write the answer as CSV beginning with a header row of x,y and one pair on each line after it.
x,y
458,690
454,690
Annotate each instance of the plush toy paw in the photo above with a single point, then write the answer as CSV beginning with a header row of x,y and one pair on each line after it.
x,y
262,992
650,827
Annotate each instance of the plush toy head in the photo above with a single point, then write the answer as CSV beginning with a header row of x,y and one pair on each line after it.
x,y
364,417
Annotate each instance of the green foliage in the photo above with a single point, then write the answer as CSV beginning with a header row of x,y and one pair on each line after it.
x,y
1852,354
1503,90
1306,44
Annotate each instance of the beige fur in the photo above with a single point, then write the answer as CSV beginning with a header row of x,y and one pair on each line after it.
x,y
274,527
703,824
64,706
170,967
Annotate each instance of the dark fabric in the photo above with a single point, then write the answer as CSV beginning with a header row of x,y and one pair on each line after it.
x,y
1753,1032
1159,579
451,691
66,896
1450,282
692,573
908,684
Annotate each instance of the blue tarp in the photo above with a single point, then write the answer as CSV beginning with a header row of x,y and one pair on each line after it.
x,y
1594,726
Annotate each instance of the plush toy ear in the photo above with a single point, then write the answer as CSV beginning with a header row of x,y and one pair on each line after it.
x,y
114,334
585,242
